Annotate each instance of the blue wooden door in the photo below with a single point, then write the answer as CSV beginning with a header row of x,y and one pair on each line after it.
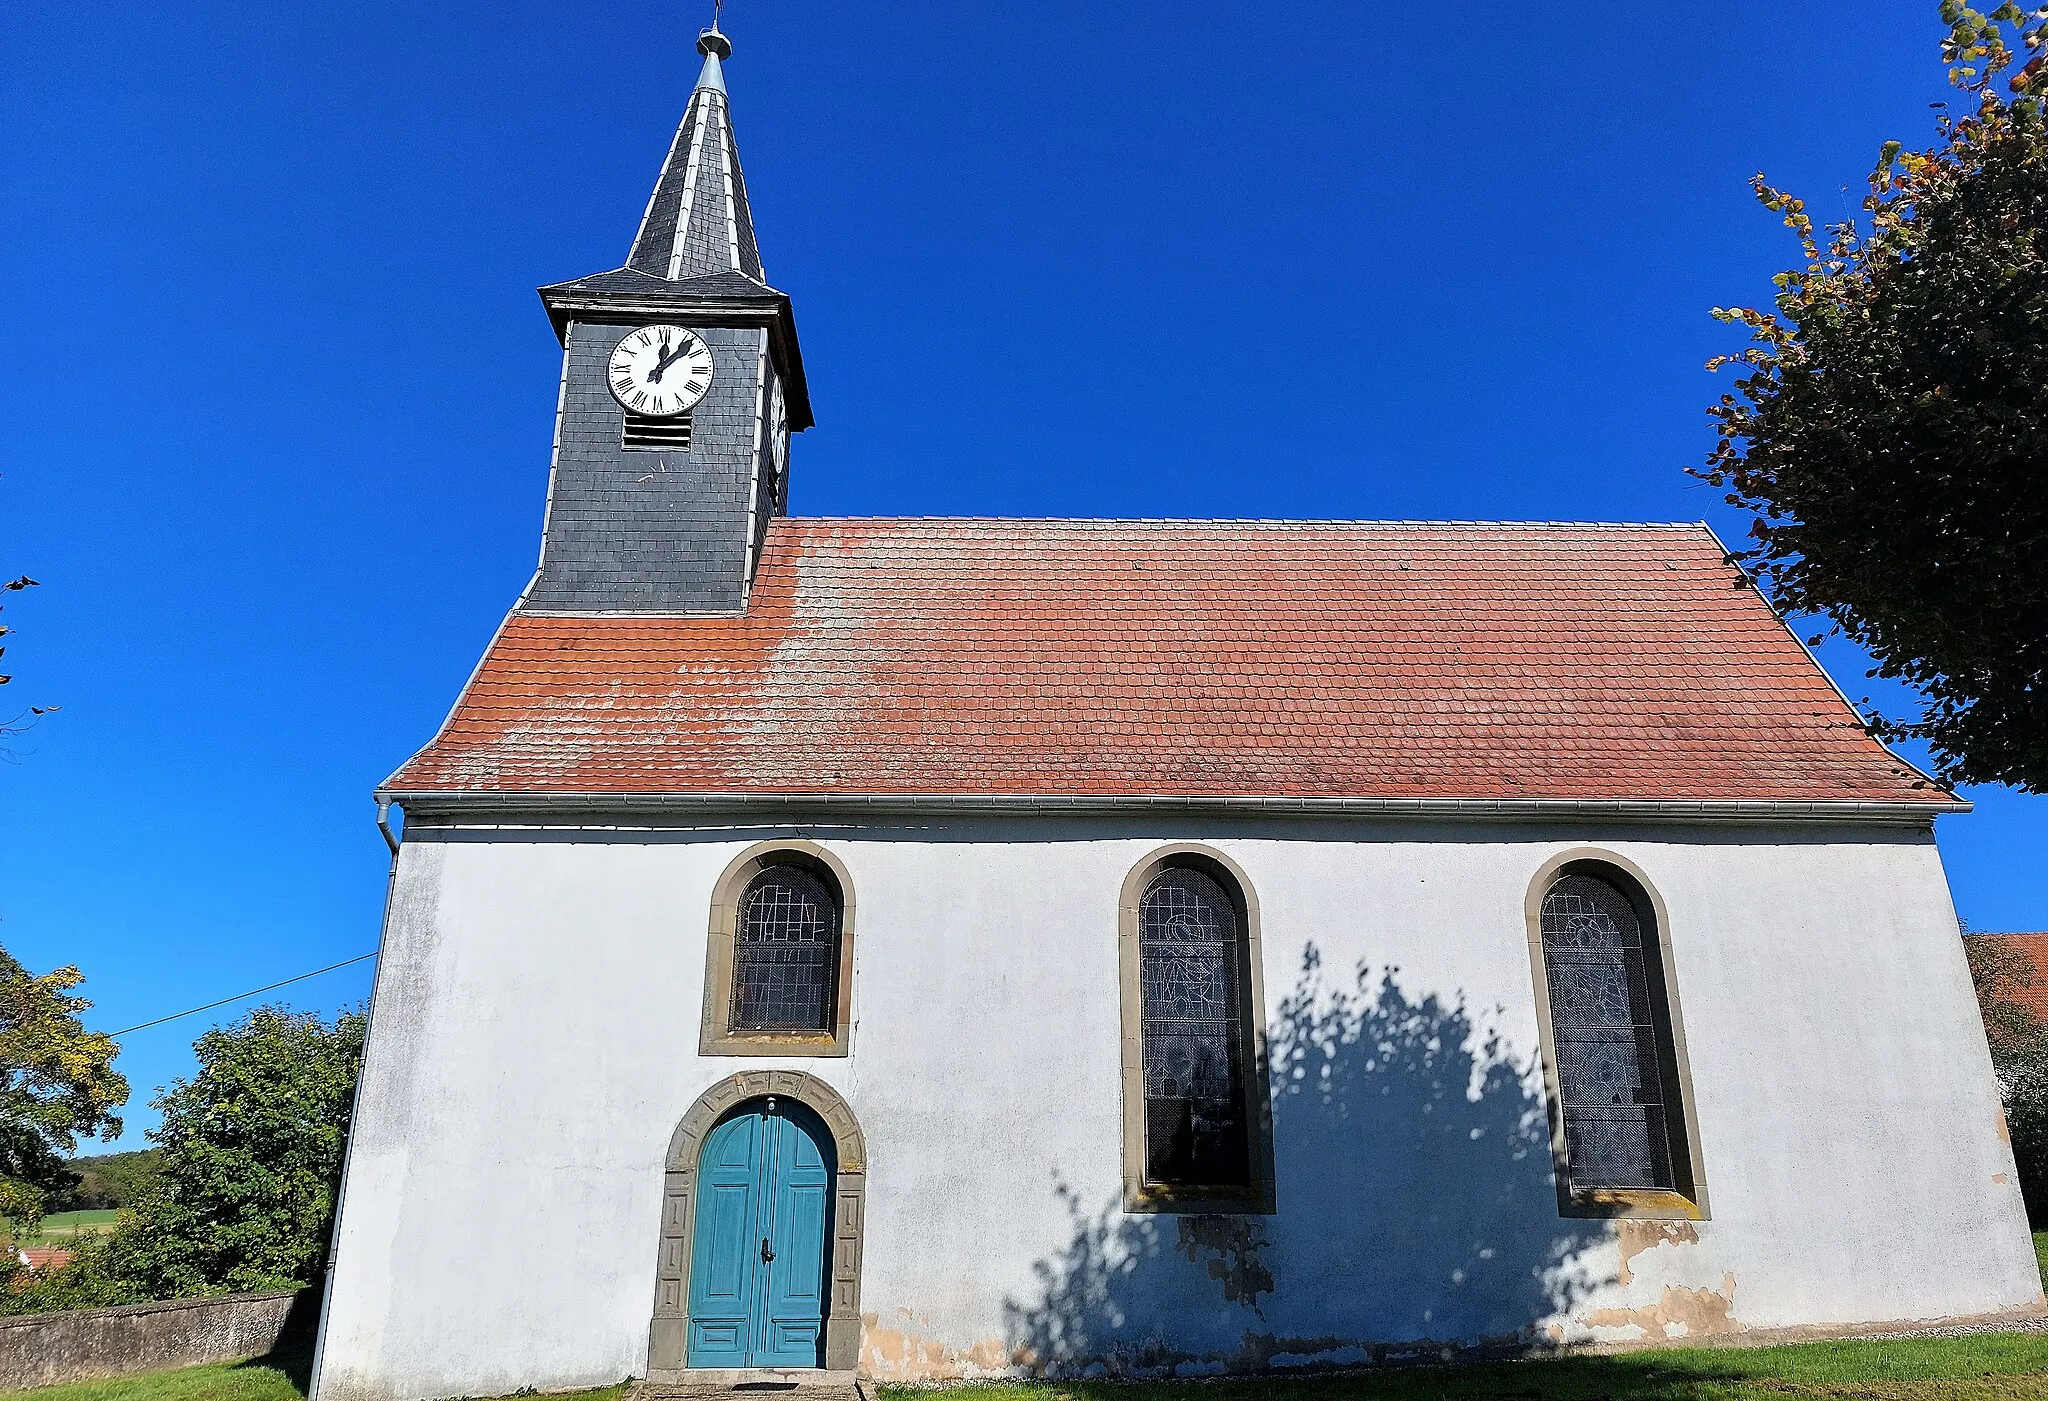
x,y
758,1264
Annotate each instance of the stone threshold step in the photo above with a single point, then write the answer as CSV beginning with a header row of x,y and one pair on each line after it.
x,y
751,1384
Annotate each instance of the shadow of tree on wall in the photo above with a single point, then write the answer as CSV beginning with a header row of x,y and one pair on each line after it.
x,y
1416,1211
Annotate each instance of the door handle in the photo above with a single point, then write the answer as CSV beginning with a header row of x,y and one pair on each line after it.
x,y
767,1255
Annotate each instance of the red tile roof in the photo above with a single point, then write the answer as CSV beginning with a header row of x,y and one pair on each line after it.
x,y
1181,659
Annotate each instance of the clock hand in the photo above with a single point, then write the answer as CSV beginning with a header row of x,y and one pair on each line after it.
x,y
654,375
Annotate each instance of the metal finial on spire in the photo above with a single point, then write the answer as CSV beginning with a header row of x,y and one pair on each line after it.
x,y
710,42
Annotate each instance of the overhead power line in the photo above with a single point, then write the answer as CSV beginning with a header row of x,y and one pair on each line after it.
x,y
242,996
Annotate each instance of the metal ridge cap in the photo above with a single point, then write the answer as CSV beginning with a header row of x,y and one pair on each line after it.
x,y
1389,525
1826,809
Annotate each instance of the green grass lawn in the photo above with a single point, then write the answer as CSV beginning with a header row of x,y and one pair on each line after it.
x,y
1989,1367
238,1381
245,1381
64,1227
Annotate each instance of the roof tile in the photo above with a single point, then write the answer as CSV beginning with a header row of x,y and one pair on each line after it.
x,y
1181,659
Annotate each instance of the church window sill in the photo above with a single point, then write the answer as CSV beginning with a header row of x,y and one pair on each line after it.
x,y
1151,1198
1630,1203
774,1043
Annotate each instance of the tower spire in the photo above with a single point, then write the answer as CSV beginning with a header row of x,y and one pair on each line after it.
x,y
659,499
697,222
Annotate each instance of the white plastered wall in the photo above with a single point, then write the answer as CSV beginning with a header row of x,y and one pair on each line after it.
x,y
535,1043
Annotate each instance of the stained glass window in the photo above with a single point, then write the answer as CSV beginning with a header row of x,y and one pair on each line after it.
x,y
1191,976
786,961
1606,1015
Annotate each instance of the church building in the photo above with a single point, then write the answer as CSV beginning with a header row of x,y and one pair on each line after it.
x,y
950,948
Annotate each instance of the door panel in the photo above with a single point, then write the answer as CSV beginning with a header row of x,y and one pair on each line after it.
x,y
795,1298
759,1261
730,1179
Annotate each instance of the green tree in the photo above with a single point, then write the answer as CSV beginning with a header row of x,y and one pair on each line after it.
x,y
248,1166
2019,1053
108,1181
1890,433
250,1154
57,1085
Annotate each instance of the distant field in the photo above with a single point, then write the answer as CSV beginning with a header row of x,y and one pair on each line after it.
x,y
62,1227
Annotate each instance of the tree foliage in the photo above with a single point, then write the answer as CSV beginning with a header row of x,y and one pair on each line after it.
x,y
2002,976
13,586
1890,429
251,1150
57,1085
248,1170
15,725
108,1181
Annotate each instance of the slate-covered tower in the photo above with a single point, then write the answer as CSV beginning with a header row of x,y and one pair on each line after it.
x,y
664,512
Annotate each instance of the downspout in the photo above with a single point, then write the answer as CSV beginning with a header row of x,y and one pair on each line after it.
x,y
384,826
349,1153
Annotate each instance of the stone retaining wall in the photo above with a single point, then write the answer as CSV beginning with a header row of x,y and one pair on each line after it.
x,y
42,1349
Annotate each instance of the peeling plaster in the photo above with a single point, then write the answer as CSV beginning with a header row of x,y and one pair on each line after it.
x,y
1696,1313
906,1354
1635,1237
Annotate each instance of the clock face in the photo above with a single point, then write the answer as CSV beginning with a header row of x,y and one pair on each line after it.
x,y
660,371
778,430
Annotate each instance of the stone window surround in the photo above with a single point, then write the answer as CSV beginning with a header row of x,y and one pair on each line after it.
x,y
1140,1196
668,1336
715,1035
1615,1203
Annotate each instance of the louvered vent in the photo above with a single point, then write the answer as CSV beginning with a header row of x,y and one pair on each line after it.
x,y
658,434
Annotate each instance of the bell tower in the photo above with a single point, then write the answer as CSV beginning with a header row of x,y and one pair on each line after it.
x,y
681,383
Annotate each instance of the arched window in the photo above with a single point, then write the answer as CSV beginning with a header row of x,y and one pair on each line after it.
x,y
787,957
1620,1097
1194,1084
778,975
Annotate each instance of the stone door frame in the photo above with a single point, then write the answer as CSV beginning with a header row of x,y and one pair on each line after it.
x,y
668,1336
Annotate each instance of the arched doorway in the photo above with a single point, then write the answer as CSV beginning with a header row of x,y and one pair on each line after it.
x,y
761,1230
761,1251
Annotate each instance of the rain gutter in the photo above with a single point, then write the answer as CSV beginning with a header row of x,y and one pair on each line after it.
x,y
430,803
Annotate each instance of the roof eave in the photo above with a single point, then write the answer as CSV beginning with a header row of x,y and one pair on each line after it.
x,y
451,803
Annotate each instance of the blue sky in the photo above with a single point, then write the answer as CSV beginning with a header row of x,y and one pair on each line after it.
x,y
274,429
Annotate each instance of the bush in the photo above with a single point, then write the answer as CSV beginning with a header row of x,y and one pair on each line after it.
x,y
2025,1082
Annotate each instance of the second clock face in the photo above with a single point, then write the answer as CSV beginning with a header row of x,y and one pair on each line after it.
x,y
660,371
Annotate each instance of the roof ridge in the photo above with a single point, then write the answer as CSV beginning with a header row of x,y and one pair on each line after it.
x,y
1103,521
